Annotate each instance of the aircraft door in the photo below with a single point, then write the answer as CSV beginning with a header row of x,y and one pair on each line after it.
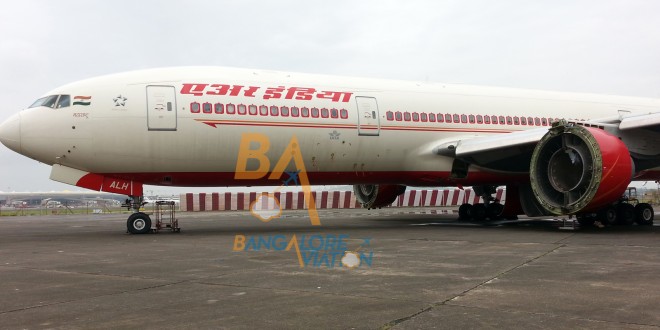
x,y
161,108
368,117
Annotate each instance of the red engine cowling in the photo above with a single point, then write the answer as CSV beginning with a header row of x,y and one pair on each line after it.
x,y
373,195
579,169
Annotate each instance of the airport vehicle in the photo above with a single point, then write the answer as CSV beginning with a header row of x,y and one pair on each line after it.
x,y
556,153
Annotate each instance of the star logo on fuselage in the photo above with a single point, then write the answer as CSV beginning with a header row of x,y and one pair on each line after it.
x,y
120,101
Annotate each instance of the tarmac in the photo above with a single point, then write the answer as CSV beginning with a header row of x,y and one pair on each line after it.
x,y
417,270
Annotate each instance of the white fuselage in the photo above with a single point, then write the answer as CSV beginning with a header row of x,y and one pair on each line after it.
x,y
164,126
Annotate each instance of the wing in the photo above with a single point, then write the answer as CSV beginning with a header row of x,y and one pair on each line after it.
x,y
513,152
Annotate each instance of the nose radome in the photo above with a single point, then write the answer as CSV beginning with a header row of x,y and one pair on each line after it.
x,y
10,133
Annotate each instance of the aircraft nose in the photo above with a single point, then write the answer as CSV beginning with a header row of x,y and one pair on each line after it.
x,y
10,133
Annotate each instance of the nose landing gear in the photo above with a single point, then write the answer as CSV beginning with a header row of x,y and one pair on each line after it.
x,y
138,222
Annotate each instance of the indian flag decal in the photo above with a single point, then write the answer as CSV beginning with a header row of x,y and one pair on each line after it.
x,y
82,100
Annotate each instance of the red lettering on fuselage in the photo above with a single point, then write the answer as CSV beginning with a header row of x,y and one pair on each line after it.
x,y
278,92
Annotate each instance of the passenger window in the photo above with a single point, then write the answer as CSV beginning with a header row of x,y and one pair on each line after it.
x,y
304,112
334,113
194,107
424,116
343,113
471,119
398,115
325,113
252,110
447,118
206,107
406,116
480,119
464,119
486,119
231,109
389,115
263,110
432,117
415,116
284,111
523,121
219,108
63,102
274,111
457,118
242,109
315,112
295,111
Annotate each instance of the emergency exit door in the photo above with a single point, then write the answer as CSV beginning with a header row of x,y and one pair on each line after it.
x,y
161,108
368,117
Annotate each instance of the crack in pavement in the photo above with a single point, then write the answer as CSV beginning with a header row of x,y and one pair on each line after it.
x,y
393,323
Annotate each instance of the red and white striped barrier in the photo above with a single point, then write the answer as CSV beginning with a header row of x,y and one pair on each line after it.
x,y
328,199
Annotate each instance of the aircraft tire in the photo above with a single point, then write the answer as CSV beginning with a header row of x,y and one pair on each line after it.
x,y
585,220
607,216
479,212
644,214
138,223
465,212
494,210
625,214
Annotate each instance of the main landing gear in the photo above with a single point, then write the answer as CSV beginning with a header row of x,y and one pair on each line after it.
x,y
490,209
627,211
138,222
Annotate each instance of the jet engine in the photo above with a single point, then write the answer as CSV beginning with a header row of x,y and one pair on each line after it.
x,y
579,169
372,195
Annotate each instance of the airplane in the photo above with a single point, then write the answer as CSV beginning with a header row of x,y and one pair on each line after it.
x,y
556,153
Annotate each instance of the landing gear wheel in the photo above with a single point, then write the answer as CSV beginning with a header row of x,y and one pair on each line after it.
x,y
465,212
478,212
493,210
138,223
607,216
585,220
625,214
644,214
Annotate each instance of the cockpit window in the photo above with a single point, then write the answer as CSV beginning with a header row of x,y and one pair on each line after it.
x,y
63,101
38,102
53,101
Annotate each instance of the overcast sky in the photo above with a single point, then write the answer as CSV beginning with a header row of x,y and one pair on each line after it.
x,y
609,47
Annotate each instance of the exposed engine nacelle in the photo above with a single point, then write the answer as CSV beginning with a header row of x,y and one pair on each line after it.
x,y
373,195
579,169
